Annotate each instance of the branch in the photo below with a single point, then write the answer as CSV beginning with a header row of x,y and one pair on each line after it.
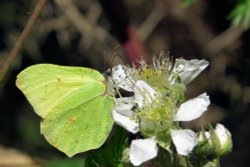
x,y
223,40
91,32
152,21
13,54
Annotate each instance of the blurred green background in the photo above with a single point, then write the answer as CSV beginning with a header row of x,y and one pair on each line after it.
x,y
79,33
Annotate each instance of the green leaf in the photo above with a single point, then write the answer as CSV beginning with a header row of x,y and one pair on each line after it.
x,y
182,161
62,162
164,158
73,103
240,14
110,154
188,3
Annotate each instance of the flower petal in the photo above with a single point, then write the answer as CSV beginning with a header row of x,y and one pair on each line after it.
x,y
189,70
121,75
142,150
193,108
223,134
124,121
124,106
184,140
144,93
203,136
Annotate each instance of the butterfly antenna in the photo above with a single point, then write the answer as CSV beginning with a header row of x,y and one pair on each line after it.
x,y
116,54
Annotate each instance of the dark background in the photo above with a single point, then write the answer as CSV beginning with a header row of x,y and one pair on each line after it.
x,y
78,33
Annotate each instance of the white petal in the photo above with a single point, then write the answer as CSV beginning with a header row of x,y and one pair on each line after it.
x,y
124,106
223,134
189,70
124,121
142,150
193,108
121,75
204,136
144,93
184,140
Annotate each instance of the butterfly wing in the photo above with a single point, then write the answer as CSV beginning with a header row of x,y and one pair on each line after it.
x,y
73,103
79,129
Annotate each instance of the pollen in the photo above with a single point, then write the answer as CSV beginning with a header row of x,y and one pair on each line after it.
x,y
157,116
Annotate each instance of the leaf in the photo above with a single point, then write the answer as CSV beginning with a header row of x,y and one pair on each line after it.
x,y
164,158
240,14
111,153
188,3
73,103
62,162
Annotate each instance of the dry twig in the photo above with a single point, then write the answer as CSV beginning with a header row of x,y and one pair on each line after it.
x,y
89,31
13,54
224,39
151,21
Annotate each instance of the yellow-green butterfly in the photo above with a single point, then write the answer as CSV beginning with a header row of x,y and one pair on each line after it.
x,y
73,103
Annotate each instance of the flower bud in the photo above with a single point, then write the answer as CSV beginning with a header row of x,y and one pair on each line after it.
x,y
211,163
217,142
205,145
125,155
222,139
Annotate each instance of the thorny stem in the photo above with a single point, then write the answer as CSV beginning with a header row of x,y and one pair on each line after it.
x,y
13,54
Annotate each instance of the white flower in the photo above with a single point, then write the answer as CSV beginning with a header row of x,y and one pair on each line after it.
x,y
223,134
184,140
204,136
218,141
205,145
144,94
142,150
193,108
122,77
123,113
225,144
188,70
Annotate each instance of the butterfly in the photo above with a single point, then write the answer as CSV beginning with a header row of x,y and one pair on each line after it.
x,y
73,103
